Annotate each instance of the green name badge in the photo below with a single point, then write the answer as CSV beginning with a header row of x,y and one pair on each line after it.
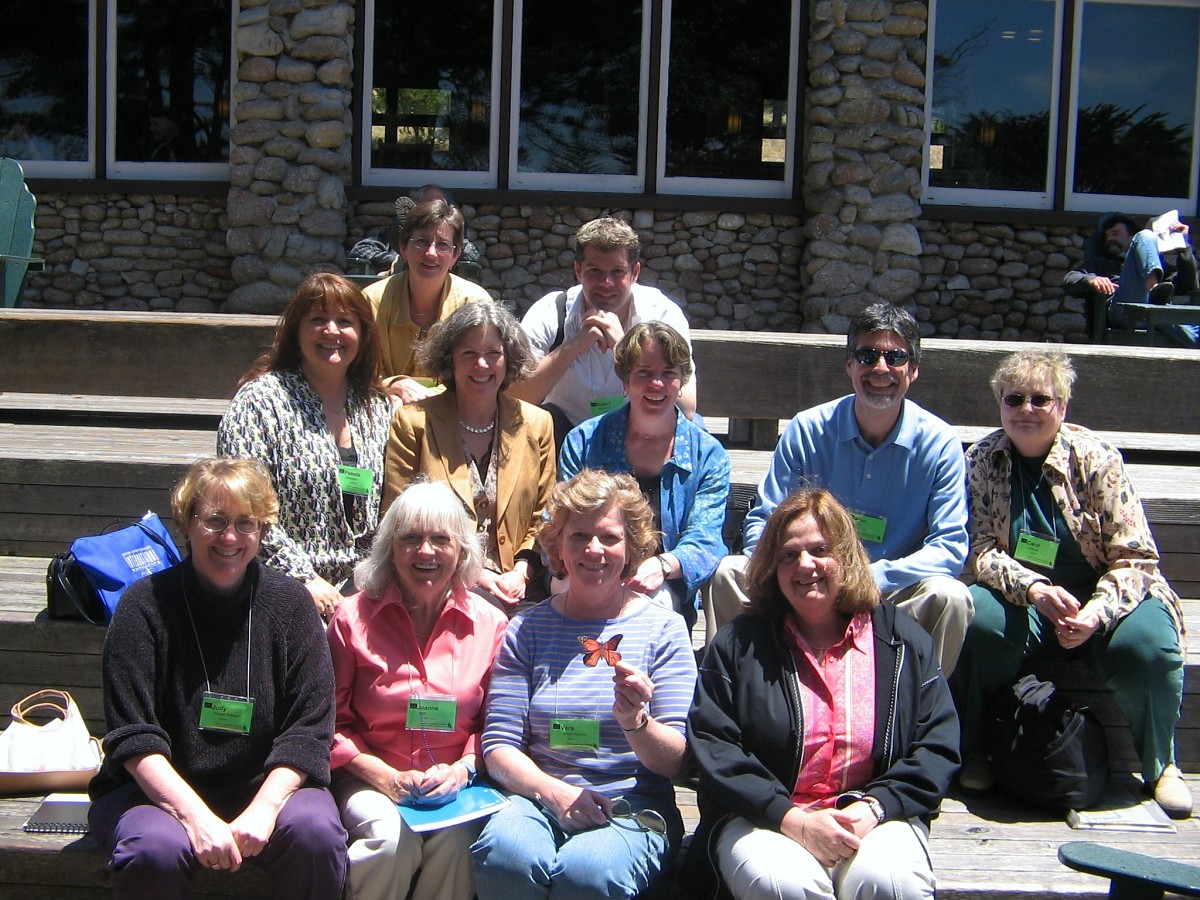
x,y
1032,548
598,406
225,712
870,528
574,733
354,480
431,714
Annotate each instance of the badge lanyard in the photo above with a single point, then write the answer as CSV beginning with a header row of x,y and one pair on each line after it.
x,y
571,733
431,712
1031,547
224,712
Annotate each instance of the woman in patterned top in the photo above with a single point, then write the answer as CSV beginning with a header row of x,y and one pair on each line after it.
x,y
312,410
1066,567
495,452
586,713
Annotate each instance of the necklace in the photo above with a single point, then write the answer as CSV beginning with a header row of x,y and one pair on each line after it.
x,y
471,428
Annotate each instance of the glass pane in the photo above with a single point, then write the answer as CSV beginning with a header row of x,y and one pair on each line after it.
x,y
993,71
1137,99
431,88
172,67
579,87
727,98
44,81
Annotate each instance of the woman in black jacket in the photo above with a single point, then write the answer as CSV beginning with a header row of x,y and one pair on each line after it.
x,y
822,725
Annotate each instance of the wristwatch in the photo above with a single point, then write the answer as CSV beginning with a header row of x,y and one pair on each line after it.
x,y
471,770
876,807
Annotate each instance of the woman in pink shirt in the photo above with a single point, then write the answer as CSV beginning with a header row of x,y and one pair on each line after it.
x,y
413,631
822,726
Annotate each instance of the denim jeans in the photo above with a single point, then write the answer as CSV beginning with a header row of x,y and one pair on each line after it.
x,y
523,853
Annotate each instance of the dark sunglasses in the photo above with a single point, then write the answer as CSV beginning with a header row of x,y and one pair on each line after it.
x,y
868,356
1037,401
642,820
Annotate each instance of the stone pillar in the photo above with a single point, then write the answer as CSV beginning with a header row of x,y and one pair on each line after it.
x,y
290,146
862,167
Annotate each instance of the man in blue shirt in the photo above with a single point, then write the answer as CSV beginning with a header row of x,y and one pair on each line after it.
x,y
898,468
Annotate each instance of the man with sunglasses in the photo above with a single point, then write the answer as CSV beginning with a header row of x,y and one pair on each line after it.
x,y
898,468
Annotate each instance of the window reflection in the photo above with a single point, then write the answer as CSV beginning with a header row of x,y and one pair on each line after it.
x,y
728,89
173,70
431,85
580,75
44,81
992,94
1137,99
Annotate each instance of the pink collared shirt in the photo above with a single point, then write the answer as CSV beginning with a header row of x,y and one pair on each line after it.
x,y
837,695
378,665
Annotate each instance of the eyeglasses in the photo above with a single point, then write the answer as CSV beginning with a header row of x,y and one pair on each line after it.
x,y
217,523
868,356
442,247
413,540
642,820
1037,401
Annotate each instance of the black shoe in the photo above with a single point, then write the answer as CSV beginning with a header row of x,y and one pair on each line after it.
x,y
1161,293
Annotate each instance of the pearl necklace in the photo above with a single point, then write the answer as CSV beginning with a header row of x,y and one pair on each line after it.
x,y
471,428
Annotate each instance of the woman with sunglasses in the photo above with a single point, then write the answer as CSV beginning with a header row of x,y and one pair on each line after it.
x,y
218,700
1066,566
411,302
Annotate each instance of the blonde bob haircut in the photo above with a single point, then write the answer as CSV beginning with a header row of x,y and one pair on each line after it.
x,y
1026,367
423,506
859,592
245,481
631,348
591,491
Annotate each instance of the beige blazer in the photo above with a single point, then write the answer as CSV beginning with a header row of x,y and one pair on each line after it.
x,y
426,439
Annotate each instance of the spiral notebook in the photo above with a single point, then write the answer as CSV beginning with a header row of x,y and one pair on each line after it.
x,y
64,813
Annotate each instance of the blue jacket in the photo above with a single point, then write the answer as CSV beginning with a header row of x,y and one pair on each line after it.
x,y
695,486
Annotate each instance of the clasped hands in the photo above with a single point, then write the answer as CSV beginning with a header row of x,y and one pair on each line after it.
x,y
601,328
440,782
830,835
1073,622
218,844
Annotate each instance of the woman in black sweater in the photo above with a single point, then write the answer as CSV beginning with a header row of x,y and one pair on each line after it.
x,y
218,695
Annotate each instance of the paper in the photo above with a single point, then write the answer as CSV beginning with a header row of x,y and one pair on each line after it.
x,y
1122,814
1167,239
63,813
473,802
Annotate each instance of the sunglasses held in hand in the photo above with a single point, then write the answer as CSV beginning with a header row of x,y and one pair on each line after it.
x,y
642,820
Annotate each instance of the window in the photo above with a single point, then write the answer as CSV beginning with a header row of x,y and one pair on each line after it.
x,y
45,89
994,124
430,99
728,91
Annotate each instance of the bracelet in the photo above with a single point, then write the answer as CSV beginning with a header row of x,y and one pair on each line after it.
x,y
645,722
666,567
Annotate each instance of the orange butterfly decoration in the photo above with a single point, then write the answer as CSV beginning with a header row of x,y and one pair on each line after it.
x,y
593,650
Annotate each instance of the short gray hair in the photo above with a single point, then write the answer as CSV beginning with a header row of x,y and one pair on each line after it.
x,y
423,505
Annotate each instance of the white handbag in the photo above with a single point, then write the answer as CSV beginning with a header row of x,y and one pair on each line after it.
x,y
56,754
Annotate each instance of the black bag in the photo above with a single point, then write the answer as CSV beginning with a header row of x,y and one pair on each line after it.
x,y
1047,750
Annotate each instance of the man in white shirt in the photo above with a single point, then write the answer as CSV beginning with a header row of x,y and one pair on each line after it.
x,y
574,332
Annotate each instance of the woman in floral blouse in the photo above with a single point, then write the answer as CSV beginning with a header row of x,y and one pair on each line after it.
x,y
312,410
1066,566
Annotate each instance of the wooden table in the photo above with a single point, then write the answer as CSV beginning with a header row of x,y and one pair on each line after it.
x,y
1150,316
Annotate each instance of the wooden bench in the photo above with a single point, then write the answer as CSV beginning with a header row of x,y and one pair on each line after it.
x,y
1142,320
1134,876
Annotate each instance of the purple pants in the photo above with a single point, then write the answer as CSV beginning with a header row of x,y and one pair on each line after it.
x,y
151,857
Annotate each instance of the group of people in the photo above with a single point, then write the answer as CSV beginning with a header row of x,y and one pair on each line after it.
x,y
498,534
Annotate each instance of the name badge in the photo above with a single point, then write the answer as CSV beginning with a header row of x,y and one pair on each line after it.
x,y
225,712
1035,549
598,406
431,714
354,480
870,528
574,733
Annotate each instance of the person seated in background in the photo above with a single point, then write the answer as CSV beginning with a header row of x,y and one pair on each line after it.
x,y
412,301
1066,566
822,726
218,705
896,466
1122,263
312,410
681,469
574,332
378,251
414,630
586,713
495,453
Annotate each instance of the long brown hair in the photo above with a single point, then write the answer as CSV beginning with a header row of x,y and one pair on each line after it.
x,y
325,290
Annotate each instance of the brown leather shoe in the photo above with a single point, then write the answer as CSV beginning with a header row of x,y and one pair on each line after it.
x,y
1172,794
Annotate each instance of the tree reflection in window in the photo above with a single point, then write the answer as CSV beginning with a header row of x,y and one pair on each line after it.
x,y
580,75
173,70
